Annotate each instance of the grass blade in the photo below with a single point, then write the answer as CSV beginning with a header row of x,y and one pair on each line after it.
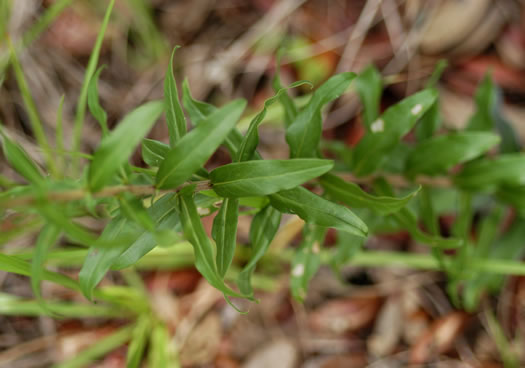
x,y
90,70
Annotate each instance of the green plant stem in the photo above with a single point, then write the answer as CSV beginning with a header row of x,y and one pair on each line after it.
x,y
76,194
181,255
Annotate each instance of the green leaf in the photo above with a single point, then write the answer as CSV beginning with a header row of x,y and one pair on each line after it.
x,y
202,247
138,341
47,238
11,305
489,174
18,266
408,220
262,231
258,178
352,195
306,260
57,216
304,134
94,105
160,349
347,246
290,110
386,132
430,122
512,195
224,232
99,260
165,216
251,138
438,154
90,70
99,348
153,152
192,151
440,67
488,115
174,115
506,247
369,86
486,98
199,111
317,210
20,161
115,149
132,208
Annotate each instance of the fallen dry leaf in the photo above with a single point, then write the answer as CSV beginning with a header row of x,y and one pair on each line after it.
x,y
439,337
344,315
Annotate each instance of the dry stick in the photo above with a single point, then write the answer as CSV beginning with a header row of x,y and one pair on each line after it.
x,y
76,194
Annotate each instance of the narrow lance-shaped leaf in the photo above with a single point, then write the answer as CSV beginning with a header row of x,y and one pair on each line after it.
x,y
127,253
202,247
115,149
90,70
132,208
489,174
369,86
153,152
258,178
408,220
352,195
46,239
317,210
20,161
304,134
224,232
94,105
138,341
387,131
431,120
488,115
290,110
438,154
306,260
57,216
160,351
429,123
251,138
262,231
59,137
199,111
174,115
196,147
99,260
